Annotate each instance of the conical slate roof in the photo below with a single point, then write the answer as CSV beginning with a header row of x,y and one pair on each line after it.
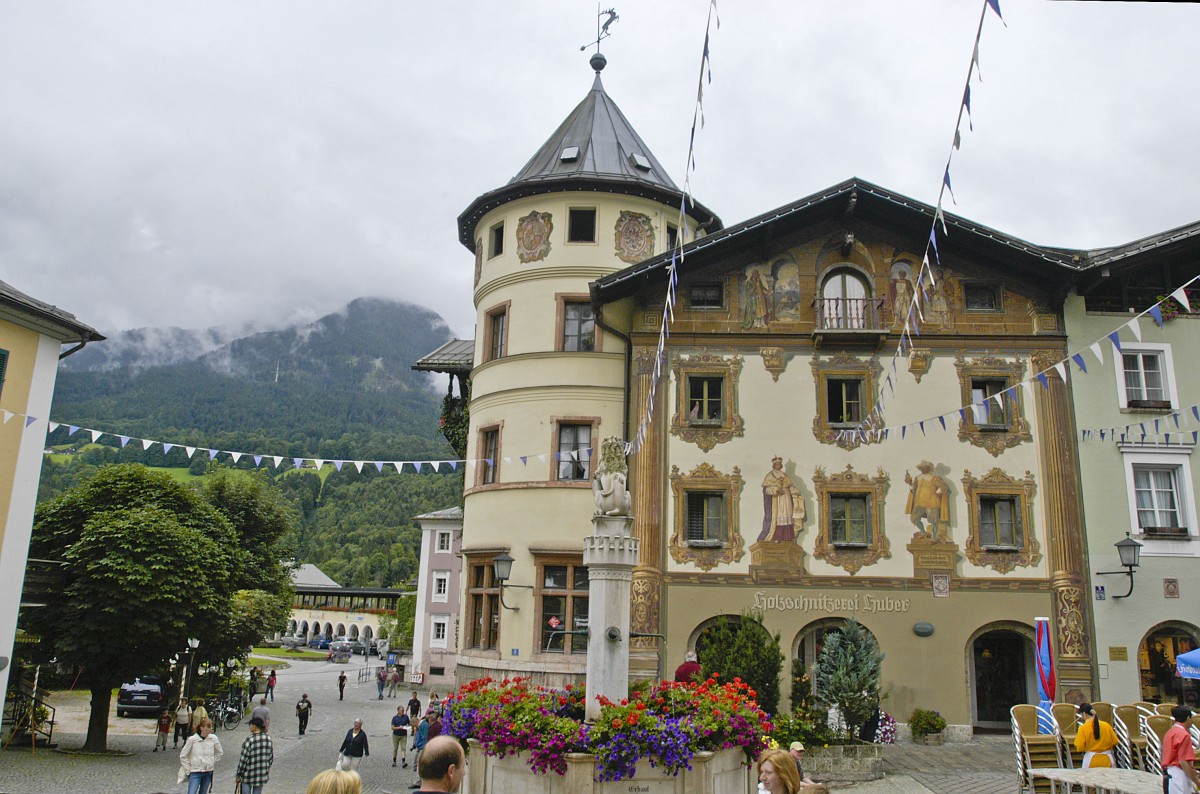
x,y
594,149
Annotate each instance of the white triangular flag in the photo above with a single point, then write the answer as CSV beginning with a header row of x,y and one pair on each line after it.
x,y
1097,351
358,464
1181,296
278,460
52,426
190,451
236,456
1062,370
95,433
1135,327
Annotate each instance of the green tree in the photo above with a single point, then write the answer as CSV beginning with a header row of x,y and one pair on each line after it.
x,y
147,563
743,648
398,626
848,673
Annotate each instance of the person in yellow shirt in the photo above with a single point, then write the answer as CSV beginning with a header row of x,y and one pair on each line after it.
x,y
1095,739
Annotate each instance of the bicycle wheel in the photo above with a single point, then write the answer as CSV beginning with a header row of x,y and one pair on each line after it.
x,y
232,720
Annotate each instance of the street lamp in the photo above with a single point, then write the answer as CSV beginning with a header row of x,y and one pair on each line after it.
x,y
1130,552
193,644
501,570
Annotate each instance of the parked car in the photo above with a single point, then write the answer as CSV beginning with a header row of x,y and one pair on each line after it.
x,y
319,641
292,642
358,647
144,696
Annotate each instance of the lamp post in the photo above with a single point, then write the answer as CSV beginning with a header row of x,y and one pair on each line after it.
x,y
1130,553
501,571
193,644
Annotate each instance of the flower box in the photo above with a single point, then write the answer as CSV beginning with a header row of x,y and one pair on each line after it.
x,y
722,772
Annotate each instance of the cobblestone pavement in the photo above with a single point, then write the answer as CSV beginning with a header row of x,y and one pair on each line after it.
x,y
983,766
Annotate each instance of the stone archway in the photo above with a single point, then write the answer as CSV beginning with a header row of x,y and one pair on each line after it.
x,y
353,631
328,632
1001,669
1157,678
368,634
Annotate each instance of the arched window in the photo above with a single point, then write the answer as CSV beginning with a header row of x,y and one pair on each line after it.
x,y
1160,681
844,300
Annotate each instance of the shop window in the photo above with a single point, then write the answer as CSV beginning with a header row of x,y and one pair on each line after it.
x,y
706,532
1000,522
581,225
850,533
562,597
845,386
1146,378
578,328
574,451
993,424
706,408
483,608
1157,669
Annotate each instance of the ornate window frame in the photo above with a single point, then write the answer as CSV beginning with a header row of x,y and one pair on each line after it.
x,y
997,483
843,364
993,440
850,557
707,435
704,478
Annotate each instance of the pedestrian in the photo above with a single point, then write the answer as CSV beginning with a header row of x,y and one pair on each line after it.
x,y
435,723
263,713
354,747
342,685
690,671
380,681
400,725
414,707
254,764
164,728
393,682
1178,755
271,685
1095,738
442,767
198,713
777,772
335,781
183,722
796,751
303,711
199,757
419,741
253,681
434,701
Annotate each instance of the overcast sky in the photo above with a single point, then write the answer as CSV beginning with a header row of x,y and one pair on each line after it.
x,y
233,163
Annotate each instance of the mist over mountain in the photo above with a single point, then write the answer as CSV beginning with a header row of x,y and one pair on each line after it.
x,y
340,387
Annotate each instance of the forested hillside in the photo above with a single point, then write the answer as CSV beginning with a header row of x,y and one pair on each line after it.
x,y
339,389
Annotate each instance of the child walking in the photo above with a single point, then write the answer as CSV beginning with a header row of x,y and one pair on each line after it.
x,y
164,728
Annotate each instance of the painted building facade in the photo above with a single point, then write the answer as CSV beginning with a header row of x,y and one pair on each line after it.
x,y
32,335
439,583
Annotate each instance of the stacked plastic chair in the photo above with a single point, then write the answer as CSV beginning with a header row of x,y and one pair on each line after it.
x,y
1154,728
1131,744
1035,750
1067,717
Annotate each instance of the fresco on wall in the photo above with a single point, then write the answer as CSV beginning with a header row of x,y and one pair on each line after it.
x,y
901,291
777,555
770,293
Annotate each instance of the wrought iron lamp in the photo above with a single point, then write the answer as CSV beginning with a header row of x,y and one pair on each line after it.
x,y
501,570
1130,552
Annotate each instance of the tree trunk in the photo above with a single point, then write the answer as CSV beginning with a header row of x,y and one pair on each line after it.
x,y
97,735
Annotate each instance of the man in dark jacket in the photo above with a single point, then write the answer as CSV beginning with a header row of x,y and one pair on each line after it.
x,y
354,747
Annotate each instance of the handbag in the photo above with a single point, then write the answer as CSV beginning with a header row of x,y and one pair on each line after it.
x,y
338,765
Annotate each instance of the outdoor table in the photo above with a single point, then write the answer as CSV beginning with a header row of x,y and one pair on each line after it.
x,y
1103,780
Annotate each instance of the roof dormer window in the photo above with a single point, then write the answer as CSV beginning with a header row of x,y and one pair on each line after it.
x,y
569,154
640,161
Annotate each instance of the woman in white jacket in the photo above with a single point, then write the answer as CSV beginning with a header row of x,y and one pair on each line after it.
x,y
199,756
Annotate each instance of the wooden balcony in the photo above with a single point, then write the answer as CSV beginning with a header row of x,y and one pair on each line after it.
x,y
852,322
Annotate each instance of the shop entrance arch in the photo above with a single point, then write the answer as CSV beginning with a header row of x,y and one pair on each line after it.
x,y
1157,677
1002,673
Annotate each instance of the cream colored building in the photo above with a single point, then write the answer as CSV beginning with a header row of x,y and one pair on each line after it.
x,y
32,335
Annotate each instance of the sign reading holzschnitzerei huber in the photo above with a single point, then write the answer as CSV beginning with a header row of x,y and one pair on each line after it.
x,y
865,603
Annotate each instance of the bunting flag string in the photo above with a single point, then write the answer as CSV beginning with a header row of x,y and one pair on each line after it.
x,y
677,253
912,326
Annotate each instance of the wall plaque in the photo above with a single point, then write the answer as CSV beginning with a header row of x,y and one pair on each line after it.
x,y
1118,653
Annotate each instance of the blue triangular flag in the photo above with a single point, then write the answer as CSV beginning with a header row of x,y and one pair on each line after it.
x,y
212,453
1116,340
1078,359
257,460
297,462
967,105
922,424
1042,377
31,419
946,182
379,466
124,439
167,447
942,419
1156,313
72,430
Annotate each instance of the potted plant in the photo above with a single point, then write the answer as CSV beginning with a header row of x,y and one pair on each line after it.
x,y
926,726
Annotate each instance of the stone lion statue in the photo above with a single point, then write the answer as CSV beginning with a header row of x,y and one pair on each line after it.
x,y
608,486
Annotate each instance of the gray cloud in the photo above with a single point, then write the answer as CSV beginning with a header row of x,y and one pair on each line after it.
x,y
220,162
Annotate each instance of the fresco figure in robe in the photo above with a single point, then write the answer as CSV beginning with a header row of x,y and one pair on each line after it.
x,y
758,299
928,504
902,295
783,505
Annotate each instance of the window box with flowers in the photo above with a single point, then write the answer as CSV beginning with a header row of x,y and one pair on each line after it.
x,y
703,734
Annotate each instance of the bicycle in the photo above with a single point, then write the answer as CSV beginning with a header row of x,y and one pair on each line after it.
x,y
224,715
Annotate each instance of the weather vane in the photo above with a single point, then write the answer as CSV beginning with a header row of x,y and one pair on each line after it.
x,y
602,31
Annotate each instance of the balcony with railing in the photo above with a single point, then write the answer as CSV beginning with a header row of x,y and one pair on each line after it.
x,y
850,320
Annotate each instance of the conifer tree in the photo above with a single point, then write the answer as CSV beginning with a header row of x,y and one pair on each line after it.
x,y
744,649
848,673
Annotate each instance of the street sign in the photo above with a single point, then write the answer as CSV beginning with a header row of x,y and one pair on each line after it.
x,y
554,622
